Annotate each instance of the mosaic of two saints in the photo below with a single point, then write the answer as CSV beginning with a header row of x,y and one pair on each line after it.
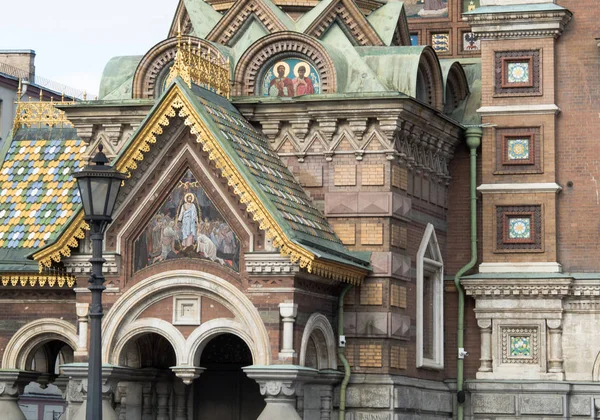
x,y
291,77
187,225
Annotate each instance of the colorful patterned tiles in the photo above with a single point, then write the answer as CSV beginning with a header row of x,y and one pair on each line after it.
x,y
273,176
519,228
518,72
37,192
520,346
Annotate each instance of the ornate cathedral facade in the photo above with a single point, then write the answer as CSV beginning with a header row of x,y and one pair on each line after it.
x,y
351,209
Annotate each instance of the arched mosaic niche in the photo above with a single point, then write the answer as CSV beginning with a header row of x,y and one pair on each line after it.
x,y
289,76
258,67
187,225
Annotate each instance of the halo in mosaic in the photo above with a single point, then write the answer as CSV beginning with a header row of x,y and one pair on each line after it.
x,y
37,192
518,72
519,227
518,149
520,346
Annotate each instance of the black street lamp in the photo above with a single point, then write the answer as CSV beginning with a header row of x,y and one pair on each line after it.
x,y
99,186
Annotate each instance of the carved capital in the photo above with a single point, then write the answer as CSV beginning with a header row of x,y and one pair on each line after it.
x,y
187,373
485,323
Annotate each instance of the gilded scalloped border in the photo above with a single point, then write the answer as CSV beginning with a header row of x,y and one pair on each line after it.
x,y
62,247
176,104
16,279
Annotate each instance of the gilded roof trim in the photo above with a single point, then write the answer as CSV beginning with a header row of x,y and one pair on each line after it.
x,y
62,247
34,279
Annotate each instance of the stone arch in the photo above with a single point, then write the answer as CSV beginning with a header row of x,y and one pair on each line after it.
x,y
430,88
198,339
596,369
155,288
280,45
150,325
151,68
20,349
325,343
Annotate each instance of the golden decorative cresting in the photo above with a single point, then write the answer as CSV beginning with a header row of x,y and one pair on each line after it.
x,y
195,67
51,279
39,114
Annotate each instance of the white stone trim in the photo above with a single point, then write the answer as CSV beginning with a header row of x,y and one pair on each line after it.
x,y
434,266
178,318
167,284
521,267
519,109
319,322
153,194
145,326
33,334
515,188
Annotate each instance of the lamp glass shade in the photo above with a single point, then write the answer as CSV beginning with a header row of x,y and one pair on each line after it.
x,y
99,188
113,193
85,194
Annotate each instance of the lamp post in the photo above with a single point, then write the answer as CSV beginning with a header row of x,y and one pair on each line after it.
x,y
99,186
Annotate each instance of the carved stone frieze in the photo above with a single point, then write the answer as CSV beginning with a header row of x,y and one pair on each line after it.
x,y
519,24
518,288
79,264
269,264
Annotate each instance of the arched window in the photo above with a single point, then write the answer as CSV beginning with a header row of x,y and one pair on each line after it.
x,y
430,302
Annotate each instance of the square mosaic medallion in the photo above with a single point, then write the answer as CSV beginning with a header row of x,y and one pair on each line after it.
x,y
520,346
519,227
518,149
441,42
517,72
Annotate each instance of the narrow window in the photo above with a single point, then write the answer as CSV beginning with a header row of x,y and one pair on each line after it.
x,y
430,302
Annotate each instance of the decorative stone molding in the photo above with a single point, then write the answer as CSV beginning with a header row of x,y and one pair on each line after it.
x,y
520,288
526,267
269,264
80,264
288,312
534,109
247,72
187,373
524,188
519,21
326,350
12,385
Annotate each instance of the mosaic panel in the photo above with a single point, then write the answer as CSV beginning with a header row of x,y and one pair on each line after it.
x,y
519,228
470,5
37,190
426,9
518,150
471,42
520,345
291,77
187,225
517,73
441,42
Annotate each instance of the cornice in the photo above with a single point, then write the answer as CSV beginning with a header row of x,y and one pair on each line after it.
x,y
518,288
516,188
269,264
533,109
519,24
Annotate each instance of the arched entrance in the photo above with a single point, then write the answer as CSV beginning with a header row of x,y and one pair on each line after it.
x,y
223,391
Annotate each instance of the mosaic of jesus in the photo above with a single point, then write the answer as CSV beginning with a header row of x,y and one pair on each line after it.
x,y
187,225
291,77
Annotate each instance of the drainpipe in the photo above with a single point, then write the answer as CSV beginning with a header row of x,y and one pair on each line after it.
x,y
342,352
473,135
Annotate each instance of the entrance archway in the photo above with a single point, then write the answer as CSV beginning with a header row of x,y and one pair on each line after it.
x,y
224,391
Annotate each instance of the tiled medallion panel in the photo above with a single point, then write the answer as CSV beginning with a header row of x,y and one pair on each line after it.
x,y
519,345
518,150
517,73
519,228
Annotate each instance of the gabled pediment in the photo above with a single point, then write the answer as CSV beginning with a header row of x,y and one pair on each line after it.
x,y
350,18
194,17
389,21
238,17
261,182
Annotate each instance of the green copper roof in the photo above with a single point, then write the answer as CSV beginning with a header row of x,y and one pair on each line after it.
x,y
466,111
37,191
385,20
117,77
203,17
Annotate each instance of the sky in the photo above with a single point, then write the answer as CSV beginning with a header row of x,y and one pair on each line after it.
x,y
74,39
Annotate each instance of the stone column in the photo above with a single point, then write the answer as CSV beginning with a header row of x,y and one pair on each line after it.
x,y
12,384
82,321
326,397
121,398
163,392
147,409
288,312
181,394
486,345
279,385
555,364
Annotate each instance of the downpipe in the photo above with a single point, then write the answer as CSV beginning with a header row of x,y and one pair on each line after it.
x,y
342,352
473,135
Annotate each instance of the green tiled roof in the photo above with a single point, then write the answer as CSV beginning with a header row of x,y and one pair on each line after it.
x,y
38,195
